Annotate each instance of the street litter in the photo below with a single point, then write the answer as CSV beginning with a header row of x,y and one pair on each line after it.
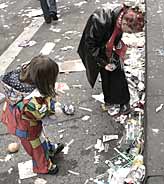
x,y
159,108
27,43
160,51
56,41
61,86
85,109
61,131
155,130
99,145
77,86
71,33
8,157
106,147
109,137
40,181
86,181
61,136
73,172
68,109
13,147
10,170
127,166
67,48
54,29
97,158
80,4
3,5
99,97
66,148
89,147
71,66
25,170
68,144
85,118
31,13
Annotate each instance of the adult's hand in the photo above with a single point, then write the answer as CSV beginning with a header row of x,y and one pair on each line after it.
x,y
110,67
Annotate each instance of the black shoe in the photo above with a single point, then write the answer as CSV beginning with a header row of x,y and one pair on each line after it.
x,y
125,109
47,19
55,151
59,148
54,16
53,170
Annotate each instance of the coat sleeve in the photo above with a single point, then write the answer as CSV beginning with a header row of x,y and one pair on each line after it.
x,y
96,31
37,108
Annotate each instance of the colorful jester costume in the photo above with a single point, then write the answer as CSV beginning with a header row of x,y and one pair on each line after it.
x,y
22,115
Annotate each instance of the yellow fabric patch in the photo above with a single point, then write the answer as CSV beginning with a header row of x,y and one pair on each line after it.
x,y
33,123
4,106
35,143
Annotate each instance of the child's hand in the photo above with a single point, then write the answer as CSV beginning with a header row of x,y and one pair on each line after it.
x,y
58,109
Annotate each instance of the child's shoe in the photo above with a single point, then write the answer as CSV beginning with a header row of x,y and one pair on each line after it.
x,y
114,109
60,147
54,149
53,170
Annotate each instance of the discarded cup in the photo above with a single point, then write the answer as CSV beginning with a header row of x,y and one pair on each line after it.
x,y
68,109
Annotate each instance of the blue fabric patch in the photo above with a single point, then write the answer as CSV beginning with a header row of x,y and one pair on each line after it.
x,y
21,133
11,107
52,105
45,147
34,163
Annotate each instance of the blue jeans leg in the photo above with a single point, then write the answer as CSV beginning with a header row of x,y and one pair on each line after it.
x,y
45,7
52,6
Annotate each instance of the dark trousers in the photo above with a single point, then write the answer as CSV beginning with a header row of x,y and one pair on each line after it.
x,y
115,86
48,7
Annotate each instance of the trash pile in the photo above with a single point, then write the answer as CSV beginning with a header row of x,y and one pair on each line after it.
x,y
127,167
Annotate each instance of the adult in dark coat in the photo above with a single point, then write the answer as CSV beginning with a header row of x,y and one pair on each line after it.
x,y
104,29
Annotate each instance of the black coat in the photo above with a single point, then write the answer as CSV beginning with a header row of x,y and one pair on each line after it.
x,y
97,32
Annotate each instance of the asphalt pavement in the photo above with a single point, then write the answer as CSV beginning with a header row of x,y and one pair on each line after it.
x,y
83,134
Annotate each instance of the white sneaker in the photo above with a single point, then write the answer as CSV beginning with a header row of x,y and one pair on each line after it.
x,y
114,109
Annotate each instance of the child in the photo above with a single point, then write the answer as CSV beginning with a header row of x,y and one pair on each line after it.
x,y
23,115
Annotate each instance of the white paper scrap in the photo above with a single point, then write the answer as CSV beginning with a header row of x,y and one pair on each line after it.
x,y
72,172
25,170
109,137
85,109
10,170
8,157
99,145
159,108
65,150
70,142
40,181
99,97
85,118
155,130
